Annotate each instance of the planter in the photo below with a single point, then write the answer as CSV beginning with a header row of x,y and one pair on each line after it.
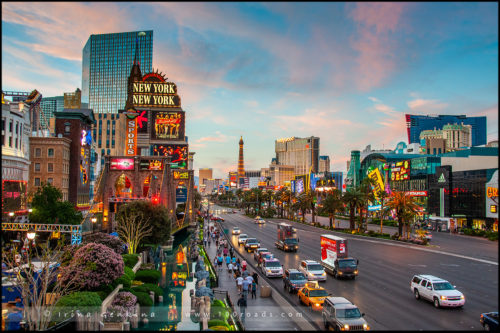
x,y
112,326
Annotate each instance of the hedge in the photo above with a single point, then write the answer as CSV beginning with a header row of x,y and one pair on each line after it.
x,y
125,280
142,298
148,276
147,287
130,259
130,273
84,301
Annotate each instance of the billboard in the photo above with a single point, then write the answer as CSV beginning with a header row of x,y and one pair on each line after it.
x,y
400,170
299,185
178,153
151,165
181,175
146,93
379,182
167,125
180,194
13,195
121,164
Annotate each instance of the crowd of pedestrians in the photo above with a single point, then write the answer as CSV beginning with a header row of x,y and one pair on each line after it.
x,y
245,282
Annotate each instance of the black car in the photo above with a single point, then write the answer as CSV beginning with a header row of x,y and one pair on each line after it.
x,y
489,320
293,280
251,244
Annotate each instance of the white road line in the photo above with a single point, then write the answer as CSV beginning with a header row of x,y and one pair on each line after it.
x,y
360,238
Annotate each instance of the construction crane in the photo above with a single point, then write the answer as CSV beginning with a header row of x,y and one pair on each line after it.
x,y
39,123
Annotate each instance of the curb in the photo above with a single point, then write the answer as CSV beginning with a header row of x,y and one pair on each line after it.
x,y
302,322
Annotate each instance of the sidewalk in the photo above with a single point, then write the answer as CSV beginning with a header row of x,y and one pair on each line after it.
x,y
262,314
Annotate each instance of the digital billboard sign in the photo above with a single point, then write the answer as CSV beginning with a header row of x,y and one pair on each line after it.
x,y
400,170
178,154
121,164
151,165
167,125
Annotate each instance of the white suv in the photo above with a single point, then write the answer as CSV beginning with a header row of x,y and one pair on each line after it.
x,y
436,290
312,270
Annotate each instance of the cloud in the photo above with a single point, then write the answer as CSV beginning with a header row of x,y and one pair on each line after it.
x,y
426,105
219,137
376,23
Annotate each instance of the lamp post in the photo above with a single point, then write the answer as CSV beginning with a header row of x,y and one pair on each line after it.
x,y
94,220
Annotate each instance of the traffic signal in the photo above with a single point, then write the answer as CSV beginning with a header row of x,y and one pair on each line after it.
x,y
155,200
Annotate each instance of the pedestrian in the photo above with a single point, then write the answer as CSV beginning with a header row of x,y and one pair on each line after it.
x,y
230,268
244,265
246,287
220,260
254,290
256,277
225,251
238,264
233,260
236,272
216,261
228,260
231,251
259,264
217,243
205,241
239,283
209,241
242,303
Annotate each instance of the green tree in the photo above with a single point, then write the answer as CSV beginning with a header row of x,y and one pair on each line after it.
x,y
332,204
366,188
303,203
48,207
405,207
354,199
383,195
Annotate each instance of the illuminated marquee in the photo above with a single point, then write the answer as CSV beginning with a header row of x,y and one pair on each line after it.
x,y
181,175
122,164
131,138
492,192
178,153
379,182
151,165
167,125
155,94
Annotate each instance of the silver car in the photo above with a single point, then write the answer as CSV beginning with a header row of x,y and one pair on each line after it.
x,y
242,238
341,315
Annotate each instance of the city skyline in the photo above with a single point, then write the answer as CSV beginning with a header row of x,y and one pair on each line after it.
x,y
344,72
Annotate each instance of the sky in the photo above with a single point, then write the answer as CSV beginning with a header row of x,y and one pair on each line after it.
x,y
344,72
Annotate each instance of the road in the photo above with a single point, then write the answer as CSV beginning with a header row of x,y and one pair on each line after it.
x,y
382,290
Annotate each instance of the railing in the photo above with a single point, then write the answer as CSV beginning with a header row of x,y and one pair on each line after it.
x,y
223,295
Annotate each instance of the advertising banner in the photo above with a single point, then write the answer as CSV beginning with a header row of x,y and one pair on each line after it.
x,y
400,170
121,164
181,194
379,182
299,185
178,153
167,125
154,94
181,175
151,165
416,193
374,208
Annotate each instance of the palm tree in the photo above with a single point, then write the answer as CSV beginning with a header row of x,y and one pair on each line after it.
x,y
382,196
312,200
366,187
286,197
303,203
332,204
270,197
354,199
405,207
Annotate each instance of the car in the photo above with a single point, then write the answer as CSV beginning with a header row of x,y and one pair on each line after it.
x,y
436,290
293,280
489,320
257,217
217,218
312,270
312,295
341,315
428,235
236,231
272,268
251,244
265,255
259,250
242,238
234,212
260,221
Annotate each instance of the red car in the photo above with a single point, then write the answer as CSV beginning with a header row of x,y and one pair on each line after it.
x,y
217,218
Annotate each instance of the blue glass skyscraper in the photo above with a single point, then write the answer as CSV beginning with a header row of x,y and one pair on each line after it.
x,y
416,124
106,63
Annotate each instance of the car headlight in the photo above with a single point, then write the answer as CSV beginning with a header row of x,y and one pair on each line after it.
x,y
366,327
346,327
340,273
268,270
443,298
356,271
317,304
462,297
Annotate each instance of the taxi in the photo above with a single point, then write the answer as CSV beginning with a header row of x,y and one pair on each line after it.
x,y
312,295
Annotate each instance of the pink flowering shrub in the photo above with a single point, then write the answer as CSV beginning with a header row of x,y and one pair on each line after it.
x,y
125,299
93,265
113,242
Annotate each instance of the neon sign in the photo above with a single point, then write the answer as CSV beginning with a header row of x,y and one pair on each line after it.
x,y
122,164
181,175
131,138
157,94
168,125
492,192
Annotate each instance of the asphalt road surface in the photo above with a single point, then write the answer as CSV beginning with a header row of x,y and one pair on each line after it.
x,y
382,288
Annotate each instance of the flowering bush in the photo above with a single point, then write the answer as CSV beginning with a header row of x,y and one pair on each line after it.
x,y
126,300
68,254
93,265
115,314
113,242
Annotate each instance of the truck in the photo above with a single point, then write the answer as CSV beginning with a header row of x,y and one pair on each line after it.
x,y
287,238
335,258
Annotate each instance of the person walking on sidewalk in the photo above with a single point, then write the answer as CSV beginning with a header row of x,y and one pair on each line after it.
x,y
254,290
209,241
220,260
228,260
242,303
255,277
230,269
239,283
238,263
246,285
225,251
244,265
231,253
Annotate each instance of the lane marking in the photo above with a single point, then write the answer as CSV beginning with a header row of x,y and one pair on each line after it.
x,y
360,238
